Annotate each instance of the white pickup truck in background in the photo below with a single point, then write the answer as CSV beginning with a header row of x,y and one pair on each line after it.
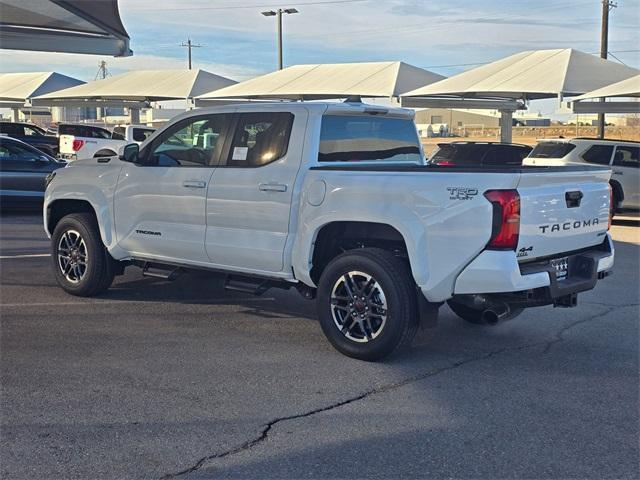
x,y
86,141
338,201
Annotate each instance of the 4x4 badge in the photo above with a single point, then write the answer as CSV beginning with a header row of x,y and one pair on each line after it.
x,y
524,251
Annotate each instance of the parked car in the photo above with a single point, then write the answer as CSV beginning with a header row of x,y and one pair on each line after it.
x,y
84,141
338,201
622,156
31,134
479,154
23,170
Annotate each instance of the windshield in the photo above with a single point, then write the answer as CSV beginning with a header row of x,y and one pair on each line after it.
x,y
551,150
367,138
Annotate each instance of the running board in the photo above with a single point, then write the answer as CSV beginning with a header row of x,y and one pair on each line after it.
x,y
149,270
254,286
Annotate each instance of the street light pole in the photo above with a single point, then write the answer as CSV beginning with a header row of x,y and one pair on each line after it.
x,y
278,14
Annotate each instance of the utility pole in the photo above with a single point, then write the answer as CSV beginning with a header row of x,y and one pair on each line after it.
x,y
278,14
101,74
607,5
189,46
102,71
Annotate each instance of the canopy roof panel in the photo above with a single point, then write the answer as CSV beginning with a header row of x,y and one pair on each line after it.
x,y
141,86
531,75
19,87
626,88
331,80
89,26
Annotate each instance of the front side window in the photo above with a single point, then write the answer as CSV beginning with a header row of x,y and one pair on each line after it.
x,y
627,157
118,133
17,153
598,154
189,143
260,138
345,138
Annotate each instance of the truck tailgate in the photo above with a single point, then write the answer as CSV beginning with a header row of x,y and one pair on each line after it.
x,y
562,210
66,144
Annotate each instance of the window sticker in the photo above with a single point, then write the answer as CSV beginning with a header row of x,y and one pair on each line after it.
x,y
240,153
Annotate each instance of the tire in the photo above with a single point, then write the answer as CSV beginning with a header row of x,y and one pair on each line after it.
x,y
76,238
473,315
374,332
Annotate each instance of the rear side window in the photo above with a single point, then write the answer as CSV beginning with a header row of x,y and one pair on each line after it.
x,y
346,138
11,129
95,132
141,134
598,154
551,150
260,138
627,157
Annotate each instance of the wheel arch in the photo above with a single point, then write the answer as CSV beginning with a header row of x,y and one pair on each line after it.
x,y
618,192
335,237
59,208
104,152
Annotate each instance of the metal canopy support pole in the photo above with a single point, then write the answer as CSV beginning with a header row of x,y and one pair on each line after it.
x,y
134,115
506,126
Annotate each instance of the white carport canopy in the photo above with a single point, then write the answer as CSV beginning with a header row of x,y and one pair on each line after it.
x,y
628,88
19,88
331,80
531,75
137,88
524,76
87,26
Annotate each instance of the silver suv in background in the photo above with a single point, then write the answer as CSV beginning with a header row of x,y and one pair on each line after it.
x,y
623,157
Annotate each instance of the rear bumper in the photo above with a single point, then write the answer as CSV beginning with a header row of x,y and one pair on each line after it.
x,y
495,272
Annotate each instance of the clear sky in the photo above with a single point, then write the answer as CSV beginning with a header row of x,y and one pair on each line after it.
x,y
444,36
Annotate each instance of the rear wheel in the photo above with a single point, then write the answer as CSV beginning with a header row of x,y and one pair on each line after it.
x,y
367,304
81,264
473,315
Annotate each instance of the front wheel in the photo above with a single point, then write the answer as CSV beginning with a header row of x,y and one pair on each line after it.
x,y
81,264
367,304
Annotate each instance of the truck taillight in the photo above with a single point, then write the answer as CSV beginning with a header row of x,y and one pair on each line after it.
x,y
506,219
611,206
77,145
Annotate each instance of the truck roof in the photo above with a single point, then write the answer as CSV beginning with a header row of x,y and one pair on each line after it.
x,y
319,108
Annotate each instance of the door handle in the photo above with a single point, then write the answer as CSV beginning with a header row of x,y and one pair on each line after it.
x,y
272,187
617,172
194,184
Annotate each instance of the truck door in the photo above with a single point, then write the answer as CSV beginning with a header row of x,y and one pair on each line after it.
x,y
160,201
250,194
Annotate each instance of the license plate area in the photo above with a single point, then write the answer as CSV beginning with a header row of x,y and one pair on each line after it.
x,y
561,267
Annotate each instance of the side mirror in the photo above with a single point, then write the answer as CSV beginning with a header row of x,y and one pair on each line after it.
x,y
129,153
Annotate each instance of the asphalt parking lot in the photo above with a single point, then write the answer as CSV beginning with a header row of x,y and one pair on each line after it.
x,y
181,379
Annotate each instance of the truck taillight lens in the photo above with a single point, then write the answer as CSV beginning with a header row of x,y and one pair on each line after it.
x,y
612,207
506,219
77,145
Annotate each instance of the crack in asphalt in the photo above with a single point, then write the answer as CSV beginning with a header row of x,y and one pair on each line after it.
x,y
264,433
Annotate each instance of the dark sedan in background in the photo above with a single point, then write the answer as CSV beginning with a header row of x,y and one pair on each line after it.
x,y
479,154
31,134
23,170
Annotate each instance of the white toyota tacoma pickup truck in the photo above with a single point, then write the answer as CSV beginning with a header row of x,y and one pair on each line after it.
x,y
338,201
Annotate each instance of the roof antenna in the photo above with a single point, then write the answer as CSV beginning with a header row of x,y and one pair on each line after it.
x,y
353,99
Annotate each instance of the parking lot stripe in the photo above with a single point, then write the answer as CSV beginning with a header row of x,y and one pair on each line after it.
x,y
29,255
